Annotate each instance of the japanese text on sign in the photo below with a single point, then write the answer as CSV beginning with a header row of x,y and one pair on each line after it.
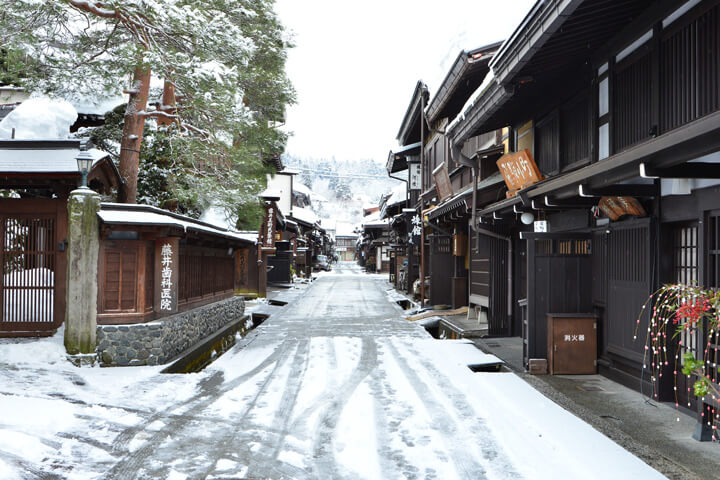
x,y
574,338
416,228
166,255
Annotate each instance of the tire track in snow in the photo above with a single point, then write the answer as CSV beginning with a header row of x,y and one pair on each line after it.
x,y
269,438
323,443
211,389
381,404
443,423
484,438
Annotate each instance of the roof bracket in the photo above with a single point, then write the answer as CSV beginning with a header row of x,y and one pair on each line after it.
x,y
686,170
623,190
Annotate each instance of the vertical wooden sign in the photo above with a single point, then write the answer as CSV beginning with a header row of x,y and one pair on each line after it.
x,y
167,267
267,231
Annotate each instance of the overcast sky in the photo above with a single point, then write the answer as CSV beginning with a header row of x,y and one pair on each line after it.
x,y
356,63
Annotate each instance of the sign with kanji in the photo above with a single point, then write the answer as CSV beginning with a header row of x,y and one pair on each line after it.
x,y
616,207
414,228
519,171
167,263
414,176
267,231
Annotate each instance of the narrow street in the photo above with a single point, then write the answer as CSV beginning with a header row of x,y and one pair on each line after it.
x,y
336,385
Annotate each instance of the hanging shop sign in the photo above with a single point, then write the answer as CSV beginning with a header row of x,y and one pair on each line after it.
x,y
442,182
414,228
616,207
414,176
519,171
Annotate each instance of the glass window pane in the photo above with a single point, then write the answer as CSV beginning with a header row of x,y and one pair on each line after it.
x,y
603,98
603,141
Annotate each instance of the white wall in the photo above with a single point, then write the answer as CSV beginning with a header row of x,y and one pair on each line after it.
x,y
282,183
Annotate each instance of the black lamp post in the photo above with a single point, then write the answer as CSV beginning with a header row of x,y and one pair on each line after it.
x,y
84,162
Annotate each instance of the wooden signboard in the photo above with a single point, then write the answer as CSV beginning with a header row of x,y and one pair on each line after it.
x,y
167,267
616,207
442,182
267,231
519,170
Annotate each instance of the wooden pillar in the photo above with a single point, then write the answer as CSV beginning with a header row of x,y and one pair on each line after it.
x,y
167,268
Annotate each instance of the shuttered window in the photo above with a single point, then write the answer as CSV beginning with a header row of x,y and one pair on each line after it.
x,y
632,116
547,147
690,70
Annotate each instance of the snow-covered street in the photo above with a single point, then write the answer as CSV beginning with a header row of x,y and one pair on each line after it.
x,y
337,385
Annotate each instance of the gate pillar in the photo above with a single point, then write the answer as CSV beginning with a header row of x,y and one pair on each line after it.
x,y
82,263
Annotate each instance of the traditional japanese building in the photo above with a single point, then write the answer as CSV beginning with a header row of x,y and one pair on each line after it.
x,y
613,142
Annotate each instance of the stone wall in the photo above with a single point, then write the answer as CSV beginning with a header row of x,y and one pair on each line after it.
x,y
157,342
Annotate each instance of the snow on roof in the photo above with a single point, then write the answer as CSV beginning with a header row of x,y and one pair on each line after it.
x,y
344,229
316,197
476,95
305,215
271,193
127,214
289,171
373,220
398,195
39,117
300,188
249,236
35,156
97,106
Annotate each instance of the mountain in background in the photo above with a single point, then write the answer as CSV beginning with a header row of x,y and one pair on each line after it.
x,y
341,188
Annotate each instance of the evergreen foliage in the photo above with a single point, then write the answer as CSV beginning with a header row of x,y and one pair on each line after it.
x,y
226,59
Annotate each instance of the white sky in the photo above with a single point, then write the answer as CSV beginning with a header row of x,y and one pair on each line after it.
x,y
356,63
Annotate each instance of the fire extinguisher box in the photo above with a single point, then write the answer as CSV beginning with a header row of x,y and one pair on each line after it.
x,y
572,343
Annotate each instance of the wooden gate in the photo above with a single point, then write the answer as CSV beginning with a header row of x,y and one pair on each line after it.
x,y
32,284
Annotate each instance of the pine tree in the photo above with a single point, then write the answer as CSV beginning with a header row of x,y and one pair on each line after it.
x,y
222,59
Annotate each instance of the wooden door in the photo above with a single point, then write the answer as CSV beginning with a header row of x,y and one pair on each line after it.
x,y
32,281
559,266
630,259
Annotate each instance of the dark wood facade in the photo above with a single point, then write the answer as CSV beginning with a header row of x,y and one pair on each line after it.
x,y
614,99
206,264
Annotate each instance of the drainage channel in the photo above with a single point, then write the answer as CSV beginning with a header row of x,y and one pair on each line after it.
x,y
433,326
206,351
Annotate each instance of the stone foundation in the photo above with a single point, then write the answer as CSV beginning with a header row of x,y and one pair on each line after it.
x,y
158,342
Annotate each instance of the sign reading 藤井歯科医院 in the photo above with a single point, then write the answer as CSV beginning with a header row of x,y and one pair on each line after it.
x,y
167,251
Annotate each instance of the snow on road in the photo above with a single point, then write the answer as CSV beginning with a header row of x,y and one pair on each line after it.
x,y
336,386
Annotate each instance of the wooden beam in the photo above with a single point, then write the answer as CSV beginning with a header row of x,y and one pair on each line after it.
x,y
625,190
570,203
686,170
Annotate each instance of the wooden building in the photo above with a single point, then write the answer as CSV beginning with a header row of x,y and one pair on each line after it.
x,y
37,177
617,105
211,263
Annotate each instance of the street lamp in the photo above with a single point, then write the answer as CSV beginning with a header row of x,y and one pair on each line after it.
x,y
84,162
